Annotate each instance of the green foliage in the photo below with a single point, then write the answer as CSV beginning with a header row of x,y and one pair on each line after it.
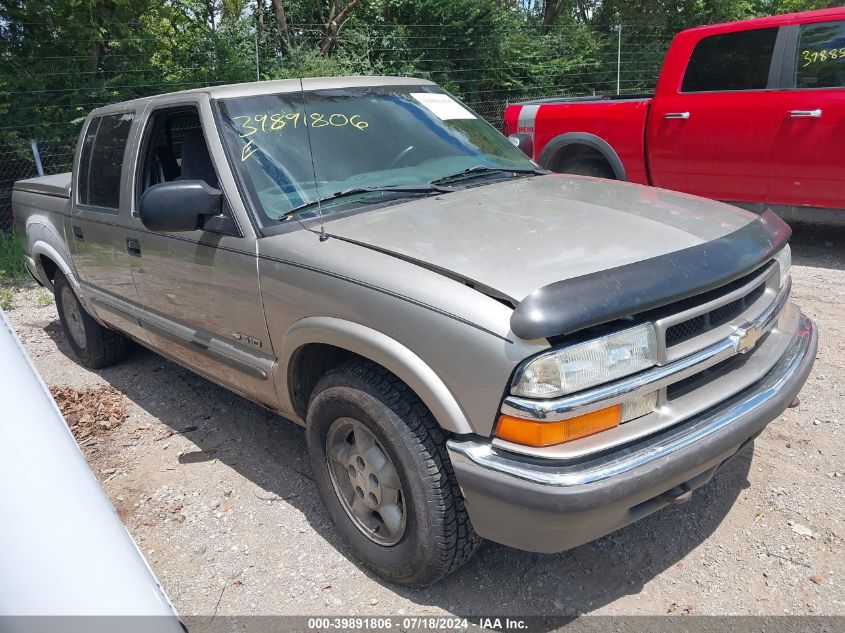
x,y
64,57
7,298
12,266
43,298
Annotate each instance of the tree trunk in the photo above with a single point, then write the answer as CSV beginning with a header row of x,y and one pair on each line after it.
x,y
281,24
209,6
98,49
99,13
551,14
334,24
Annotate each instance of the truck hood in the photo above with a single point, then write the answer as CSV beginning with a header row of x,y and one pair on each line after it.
x,y
515,236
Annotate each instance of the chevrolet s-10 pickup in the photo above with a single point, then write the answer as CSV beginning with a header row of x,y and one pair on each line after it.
x,y
476,348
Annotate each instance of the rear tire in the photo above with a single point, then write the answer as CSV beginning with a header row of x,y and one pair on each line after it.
x,y
432,536
94,345
594,167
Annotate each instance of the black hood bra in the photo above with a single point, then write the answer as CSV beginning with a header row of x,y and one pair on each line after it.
x,y
567,306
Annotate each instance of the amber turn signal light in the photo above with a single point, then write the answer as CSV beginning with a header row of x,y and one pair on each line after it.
x,y
534,433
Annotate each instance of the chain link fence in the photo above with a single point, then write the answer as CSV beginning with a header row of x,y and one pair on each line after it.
x,y
28,160
561,64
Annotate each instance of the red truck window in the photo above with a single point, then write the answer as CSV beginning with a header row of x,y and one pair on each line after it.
x,y
820,56
731,61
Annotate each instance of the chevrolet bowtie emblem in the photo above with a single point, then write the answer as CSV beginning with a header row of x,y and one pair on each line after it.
x,y
747,339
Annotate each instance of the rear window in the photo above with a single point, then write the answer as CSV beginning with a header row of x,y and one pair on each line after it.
x,y
731,61
101,160
820,59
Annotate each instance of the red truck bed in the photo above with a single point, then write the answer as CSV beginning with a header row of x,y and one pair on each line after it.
x,y
610,119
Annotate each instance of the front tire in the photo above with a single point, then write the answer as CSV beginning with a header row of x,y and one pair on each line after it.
x,y
94,345
380,463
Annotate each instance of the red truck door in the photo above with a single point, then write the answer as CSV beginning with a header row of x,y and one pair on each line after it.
x,y
711,124
807,155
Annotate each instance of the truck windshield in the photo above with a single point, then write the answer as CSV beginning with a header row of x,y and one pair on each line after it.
x,y
362,138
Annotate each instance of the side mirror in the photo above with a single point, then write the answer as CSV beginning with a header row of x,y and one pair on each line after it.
x,y
179,205
525,142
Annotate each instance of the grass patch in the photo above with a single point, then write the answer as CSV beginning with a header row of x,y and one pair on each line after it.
x,y
12,266
7,298
43,298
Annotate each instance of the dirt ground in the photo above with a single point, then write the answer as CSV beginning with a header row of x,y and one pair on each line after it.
x,y
217,493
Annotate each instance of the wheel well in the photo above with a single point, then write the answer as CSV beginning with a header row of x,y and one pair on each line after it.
x,y
308,364
50,267
575,153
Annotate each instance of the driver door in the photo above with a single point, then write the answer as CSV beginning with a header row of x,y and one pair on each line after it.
x,y
199,290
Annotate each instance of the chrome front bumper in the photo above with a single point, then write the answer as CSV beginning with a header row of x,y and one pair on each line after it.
x,y
529,504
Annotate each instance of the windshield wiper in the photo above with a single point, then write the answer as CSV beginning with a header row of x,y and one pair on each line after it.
x,y
480,170
426,188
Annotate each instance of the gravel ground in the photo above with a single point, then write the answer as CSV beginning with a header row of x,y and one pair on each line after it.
x,y
217,493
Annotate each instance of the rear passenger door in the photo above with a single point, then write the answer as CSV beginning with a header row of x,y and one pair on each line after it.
x,y
712,135
807,156
101,208
199,290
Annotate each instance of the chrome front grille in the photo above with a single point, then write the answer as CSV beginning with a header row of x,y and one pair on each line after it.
x,y
696,326
703,323
686,330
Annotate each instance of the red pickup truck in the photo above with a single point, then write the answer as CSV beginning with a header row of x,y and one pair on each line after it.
x,y
750,112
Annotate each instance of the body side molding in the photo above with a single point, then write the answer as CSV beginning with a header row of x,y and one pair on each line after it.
x,y
243,358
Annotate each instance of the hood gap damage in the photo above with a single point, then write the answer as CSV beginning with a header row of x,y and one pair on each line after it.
x,y
470,283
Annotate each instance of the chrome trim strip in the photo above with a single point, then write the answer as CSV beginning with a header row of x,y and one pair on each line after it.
x,y
650,379
251,362
662,325
791,363
207,350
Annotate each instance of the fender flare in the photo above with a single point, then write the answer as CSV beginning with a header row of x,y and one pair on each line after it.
x,y
379,348
40,248
590,140
43,240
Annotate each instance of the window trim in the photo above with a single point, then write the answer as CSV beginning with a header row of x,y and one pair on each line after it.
x,y
80,206
787,74
775,63
145,136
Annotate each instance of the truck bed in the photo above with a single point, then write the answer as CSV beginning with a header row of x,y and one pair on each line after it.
x,y
619,121
584,99
57,185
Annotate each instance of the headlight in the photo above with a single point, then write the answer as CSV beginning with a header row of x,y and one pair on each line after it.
x,y
784,260
588,364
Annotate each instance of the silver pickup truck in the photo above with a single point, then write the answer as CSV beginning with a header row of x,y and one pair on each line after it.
x,y
476,348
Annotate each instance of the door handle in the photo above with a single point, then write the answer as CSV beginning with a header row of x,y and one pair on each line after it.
x,y
77,234
806,114
677,115
133,247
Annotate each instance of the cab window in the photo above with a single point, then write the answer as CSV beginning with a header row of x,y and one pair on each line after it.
x,y
175,149
820,55
101,161
731,61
